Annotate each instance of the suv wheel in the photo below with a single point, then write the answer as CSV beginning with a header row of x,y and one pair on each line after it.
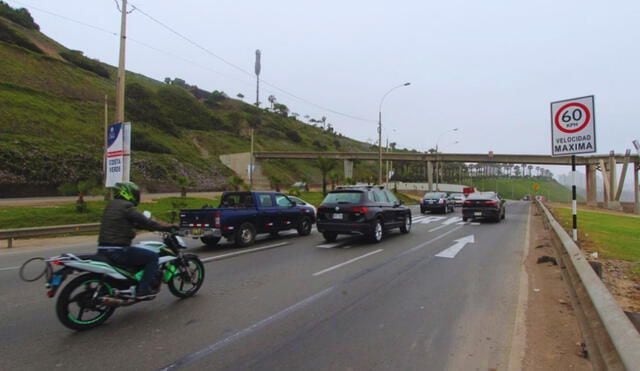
x,y
304,229
406,227
376,232
330,236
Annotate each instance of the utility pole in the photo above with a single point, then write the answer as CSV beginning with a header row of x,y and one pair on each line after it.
x,y
121,68
258,67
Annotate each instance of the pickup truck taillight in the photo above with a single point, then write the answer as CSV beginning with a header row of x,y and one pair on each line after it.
x,y
216,219
467,203
491,203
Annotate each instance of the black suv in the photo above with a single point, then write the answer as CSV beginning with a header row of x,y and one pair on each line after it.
x,y
366,210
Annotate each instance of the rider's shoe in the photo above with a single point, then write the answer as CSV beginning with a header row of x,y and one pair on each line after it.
x,y
146,294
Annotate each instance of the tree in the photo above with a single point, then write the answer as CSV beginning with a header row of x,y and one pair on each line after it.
x,y
335,179
281,109
240,95
272,100
236,182
184,182
275,182
325,165
324,122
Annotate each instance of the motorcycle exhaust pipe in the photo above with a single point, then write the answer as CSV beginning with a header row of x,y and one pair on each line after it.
x,y
110,301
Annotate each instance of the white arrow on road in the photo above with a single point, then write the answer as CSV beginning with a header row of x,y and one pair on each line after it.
x,y
452,251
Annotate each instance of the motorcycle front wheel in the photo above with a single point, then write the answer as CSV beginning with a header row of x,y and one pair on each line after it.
x,y
77,307
188,278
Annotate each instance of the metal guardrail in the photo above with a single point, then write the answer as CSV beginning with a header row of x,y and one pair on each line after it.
x,y
12,234
623,335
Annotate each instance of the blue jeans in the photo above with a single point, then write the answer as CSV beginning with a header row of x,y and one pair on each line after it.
x,y
133,256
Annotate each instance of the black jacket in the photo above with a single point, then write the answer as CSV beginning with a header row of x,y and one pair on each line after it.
x,y
119,222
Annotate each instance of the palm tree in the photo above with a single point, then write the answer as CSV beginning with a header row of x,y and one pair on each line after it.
x,y
325,165
235,182
272,100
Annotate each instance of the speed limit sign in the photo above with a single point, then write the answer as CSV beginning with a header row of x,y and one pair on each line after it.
x,y
573,126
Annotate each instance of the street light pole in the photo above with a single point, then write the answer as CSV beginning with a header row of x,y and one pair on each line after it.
x,y
380,129
121,67
258,67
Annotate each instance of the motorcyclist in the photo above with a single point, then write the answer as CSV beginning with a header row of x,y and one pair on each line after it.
x,y
117,229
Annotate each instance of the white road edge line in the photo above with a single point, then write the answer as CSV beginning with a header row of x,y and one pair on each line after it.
x,y
347,262
437,228
8,268
225,256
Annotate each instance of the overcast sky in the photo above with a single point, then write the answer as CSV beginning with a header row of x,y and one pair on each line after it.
x,y
489,68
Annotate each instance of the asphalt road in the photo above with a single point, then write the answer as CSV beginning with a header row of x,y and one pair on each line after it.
x,y
420,301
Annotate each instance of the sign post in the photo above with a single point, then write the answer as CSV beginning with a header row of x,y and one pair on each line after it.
x,y
573,131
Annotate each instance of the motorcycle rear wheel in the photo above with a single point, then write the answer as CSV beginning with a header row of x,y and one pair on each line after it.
x,y
79,293
188,278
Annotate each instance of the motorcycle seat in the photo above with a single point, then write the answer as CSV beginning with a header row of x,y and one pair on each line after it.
x,y
105,259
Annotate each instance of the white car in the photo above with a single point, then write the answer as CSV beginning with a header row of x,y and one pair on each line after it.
x,y
302,202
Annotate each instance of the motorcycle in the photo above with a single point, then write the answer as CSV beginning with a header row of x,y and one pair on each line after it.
x,y
89,299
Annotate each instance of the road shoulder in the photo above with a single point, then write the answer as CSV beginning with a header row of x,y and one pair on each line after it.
x,y
552,331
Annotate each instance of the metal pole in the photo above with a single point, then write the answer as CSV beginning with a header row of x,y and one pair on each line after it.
x,y
574,204
104,151
380,146
387,163
121,67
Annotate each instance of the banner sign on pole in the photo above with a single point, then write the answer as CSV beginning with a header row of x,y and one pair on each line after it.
x,y
573,126
118,153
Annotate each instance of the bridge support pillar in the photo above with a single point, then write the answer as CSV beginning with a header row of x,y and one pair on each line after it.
x,y
636,187
430,175
592,190
348,169
613,203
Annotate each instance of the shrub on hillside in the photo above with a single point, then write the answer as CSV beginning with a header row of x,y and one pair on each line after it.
x,y
184,109
141,106
20,16
142,141
294,136
10,36
76,58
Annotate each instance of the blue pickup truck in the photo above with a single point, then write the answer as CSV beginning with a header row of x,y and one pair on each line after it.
x,y
243,215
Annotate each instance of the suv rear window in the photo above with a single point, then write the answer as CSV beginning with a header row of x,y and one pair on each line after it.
x,y
343,197
482,196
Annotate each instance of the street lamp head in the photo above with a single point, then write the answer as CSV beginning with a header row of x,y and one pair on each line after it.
x,y
456,129
407,83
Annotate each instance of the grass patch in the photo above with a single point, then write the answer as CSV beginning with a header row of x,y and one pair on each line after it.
x,y
613,236
33,216
515,188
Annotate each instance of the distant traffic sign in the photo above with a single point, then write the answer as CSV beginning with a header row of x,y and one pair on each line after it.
x,y
536,186
573,126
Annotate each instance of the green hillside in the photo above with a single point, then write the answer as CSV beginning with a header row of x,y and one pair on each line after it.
x,y
52,122
517,187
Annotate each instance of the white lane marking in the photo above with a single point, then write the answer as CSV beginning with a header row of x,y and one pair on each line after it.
x,y
329,245
9,268
452,251
347,262
416,218
475,223
430,219
225,256
463,223
455,219
346,247
437,228
193,357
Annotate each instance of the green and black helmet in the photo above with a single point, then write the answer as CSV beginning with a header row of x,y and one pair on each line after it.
x,y
128,191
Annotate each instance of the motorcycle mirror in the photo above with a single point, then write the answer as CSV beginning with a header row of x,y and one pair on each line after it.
x,y
147,214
